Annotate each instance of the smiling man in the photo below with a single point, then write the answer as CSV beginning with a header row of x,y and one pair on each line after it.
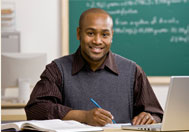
x,y
119,85
95,34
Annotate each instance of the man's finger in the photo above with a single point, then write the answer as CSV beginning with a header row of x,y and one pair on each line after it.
x,y
137,120
145,119
106,113
105,118
102,116
100,122
150,120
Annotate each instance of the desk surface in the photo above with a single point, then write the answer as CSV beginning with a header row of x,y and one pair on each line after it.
x,y
119,130
15,112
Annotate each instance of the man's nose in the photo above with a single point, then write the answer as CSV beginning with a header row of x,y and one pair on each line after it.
x,y
97,39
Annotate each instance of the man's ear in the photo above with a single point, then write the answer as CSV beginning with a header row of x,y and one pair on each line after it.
x,y
112,32
78,33
112,35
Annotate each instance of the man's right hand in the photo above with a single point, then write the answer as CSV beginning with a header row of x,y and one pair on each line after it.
x,y
94,117
98,117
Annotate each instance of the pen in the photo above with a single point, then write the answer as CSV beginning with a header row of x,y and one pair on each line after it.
x,y
100,107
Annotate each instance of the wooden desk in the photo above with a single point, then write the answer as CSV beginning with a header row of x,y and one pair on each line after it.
x,y
119,130
15,112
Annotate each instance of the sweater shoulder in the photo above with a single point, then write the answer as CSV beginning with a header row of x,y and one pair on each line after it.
x,y
64,58
121,59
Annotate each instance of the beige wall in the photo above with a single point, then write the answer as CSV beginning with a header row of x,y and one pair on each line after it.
x,y
39,23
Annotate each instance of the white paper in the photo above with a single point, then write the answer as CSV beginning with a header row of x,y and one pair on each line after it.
x,y
116,125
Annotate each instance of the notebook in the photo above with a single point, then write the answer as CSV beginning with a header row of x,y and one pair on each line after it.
x,y
54,125
176,114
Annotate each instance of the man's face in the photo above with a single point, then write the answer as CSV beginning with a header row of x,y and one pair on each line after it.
x,y
95,36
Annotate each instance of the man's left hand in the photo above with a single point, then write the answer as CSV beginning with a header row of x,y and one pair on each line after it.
x,y
143,118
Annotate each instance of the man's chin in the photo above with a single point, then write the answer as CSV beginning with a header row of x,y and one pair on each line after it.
x,y
96,58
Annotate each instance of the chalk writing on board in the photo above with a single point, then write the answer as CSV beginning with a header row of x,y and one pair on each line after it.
x,y
123,11
107,5
153,21
143,26
137,24
176,39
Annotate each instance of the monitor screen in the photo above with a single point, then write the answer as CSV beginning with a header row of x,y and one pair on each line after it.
x,y
15,66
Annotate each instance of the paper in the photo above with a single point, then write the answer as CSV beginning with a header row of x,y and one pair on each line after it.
x,y
116,125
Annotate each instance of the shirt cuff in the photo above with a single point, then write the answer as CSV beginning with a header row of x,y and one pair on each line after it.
x,y
62,111
157,118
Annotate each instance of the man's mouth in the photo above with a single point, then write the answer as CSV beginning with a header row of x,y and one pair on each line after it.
x,y
96,49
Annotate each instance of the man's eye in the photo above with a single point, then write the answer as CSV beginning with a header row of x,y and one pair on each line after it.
x,y
90,33
105,34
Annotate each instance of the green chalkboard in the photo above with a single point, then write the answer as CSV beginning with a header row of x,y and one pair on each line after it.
x,y
153,33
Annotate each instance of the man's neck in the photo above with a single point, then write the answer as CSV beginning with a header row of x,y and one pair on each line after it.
x,y
95,65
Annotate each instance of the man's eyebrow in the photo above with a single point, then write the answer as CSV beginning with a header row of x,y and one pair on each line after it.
x,y
103,30
89,29
106,30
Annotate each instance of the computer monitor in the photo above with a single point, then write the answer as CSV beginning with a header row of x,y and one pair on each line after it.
x,y
16,66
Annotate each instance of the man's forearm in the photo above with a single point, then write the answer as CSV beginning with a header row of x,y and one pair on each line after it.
x,y
78,115
45,110
95,117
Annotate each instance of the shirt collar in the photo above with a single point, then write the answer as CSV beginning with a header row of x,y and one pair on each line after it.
x,y
79,62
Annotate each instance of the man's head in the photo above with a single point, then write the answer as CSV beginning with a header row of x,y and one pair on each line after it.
x,y
95,33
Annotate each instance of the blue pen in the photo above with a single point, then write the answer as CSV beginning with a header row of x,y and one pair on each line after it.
x,y
99,107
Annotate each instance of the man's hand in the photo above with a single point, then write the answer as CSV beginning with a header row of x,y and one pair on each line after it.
x,y
98,117
95,117
143,118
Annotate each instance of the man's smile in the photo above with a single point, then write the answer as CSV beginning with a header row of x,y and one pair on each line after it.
x,y
96,49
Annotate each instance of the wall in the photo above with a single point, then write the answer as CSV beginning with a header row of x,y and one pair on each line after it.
x,y
161,92
39,24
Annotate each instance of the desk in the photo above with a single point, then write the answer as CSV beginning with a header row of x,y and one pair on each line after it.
x,y
15,112
119,130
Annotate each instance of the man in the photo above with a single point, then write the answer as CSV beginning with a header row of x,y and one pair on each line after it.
x,y
119,85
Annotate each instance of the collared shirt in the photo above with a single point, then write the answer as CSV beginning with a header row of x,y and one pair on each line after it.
x,y
79,62
46,99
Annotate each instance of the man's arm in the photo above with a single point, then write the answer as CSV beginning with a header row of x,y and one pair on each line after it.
x,y
95,117
147,109
46,99
46,102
